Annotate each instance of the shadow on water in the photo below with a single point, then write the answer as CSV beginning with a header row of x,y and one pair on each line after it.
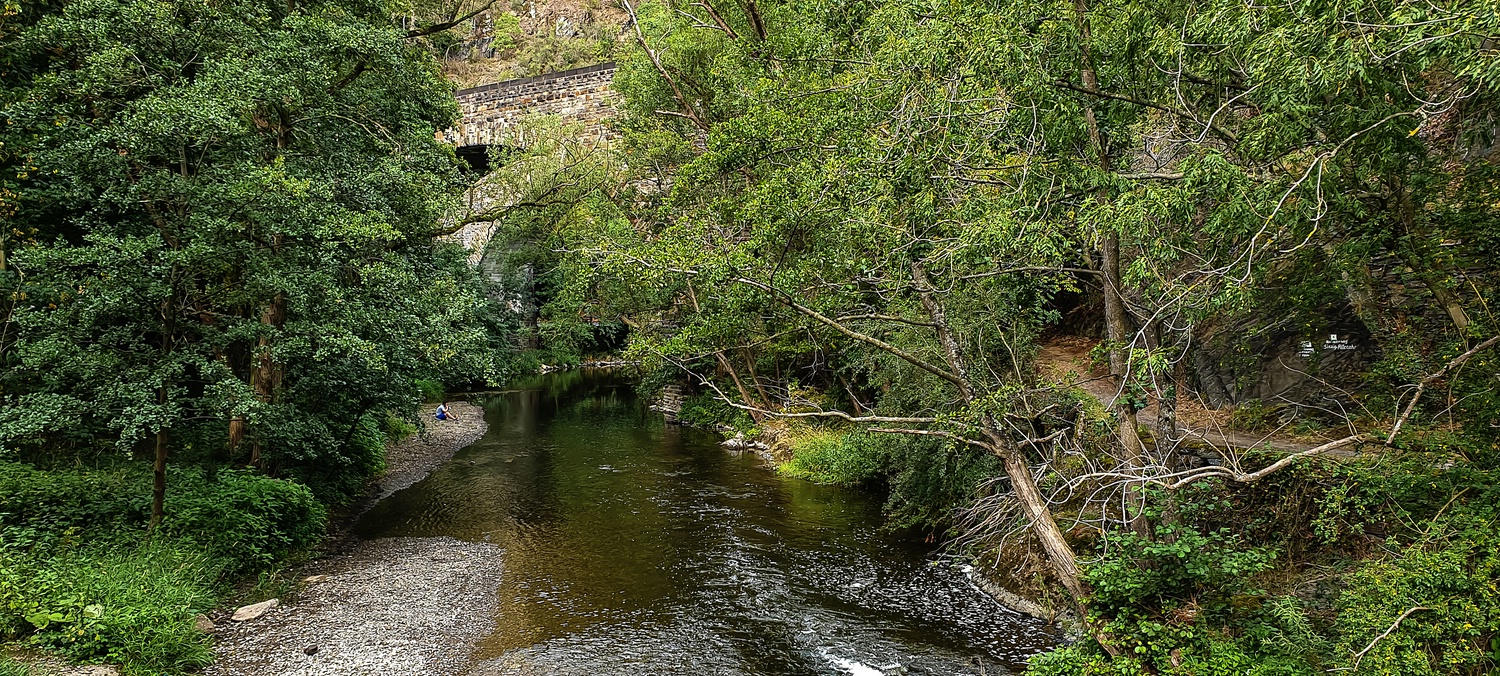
x,y
635,547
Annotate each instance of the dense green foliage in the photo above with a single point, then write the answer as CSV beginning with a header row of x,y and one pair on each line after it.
x,y
218,257
875,226
228,216
1212,596
76,576
870,228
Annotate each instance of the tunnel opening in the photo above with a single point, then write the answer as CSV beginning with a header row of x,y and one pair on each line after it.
x,y
476,156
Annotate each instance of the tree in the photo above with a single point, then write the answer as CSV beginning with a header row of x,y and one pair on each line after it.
x,y
891,199
222,201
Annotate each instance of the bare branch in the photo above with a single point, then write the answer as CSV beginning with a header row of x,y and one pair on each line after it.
x,y
1222,132
640,38
1361,654
888,318
809,414
1417,396
440,27
936,433
786,299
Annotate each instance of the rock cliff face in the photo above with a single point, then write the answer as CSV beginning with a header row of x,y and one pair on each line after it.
x,y
1306,366
1300,366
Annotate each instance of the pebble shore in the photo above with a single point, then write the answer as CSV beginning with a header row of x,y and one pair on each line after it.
x,y
393,607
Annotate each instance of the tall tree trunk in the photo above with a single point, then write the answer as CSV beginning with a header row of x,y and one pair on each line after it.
x,y
1116,322
1118,331
236,435
159,468
1059,553
755,377
952,351
1166,433
266,378
1424,269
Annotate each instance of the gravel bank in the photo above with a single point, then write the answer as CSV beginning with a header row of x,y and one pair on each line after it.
x,y
397,606
416,456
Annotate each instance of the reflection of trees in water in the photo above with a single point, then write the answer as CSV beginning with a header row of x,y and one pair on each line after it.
x,y
638,547
575,390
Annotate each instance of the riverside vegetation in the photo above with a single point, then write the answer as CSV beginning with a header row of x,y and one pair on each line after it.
x,y
1016,263
221,295
859,230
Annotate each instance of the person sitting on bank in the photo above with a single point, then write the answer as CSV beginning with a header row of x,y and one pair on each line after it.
x,y
444,414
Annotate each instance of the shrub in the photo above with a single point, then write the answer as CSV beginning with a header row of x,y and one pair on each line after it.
x,y
928,478
340,473
1455,582
431,390
38,507
242,520
396,427
239,518
707,411
80,575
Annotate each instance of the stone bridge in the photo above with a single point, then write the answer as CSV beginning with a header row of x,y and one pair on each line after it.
x,y
490,117
491,112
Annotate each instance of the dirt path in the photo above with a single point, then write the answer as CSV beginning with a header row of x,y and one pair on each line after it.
x,y
397,606
1068,358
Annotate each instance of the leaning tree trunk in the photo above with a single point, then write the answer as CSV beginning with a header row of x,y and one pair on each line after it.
x,y
1060,555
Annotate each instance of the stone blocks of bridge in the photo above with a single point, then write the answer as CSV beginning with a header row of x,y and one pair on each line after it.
x,y
490,111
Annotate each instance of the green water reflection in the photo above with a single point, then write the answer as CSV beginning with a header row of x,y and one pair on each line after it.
x,y
635,547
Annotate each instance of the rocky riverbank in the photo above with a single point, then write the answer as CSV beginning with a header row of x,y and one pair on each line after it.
x,y
398,606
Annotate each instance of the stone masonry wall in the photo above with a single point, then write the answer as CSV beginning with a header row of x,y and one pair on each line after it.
x,y
581,94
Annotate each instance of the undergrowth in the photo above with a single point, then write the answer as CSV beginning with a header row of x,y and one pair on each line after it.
x,y
81,575
1387,567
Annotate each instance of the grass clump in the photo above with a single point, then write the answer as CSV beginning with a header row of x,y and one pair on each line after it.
x,y
132,607
830,456
10,666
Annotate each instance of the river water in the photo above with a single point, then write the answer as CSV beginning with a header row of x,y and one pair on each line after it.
x,y
636,547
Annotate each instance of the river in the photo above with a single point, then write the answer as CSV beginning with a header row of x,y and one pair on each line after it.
x,y
637,547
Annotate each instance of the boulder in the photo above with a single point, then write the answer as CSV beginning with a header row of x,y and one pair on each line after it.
x,y
203,624
255,610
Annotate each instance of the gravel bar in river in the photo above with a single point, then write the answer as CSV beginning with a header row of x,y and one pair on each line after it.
x,y
395,606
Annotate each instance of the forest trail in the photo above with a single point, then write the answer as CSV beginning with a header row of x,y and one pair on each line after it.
x,y
396,606
1066,358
